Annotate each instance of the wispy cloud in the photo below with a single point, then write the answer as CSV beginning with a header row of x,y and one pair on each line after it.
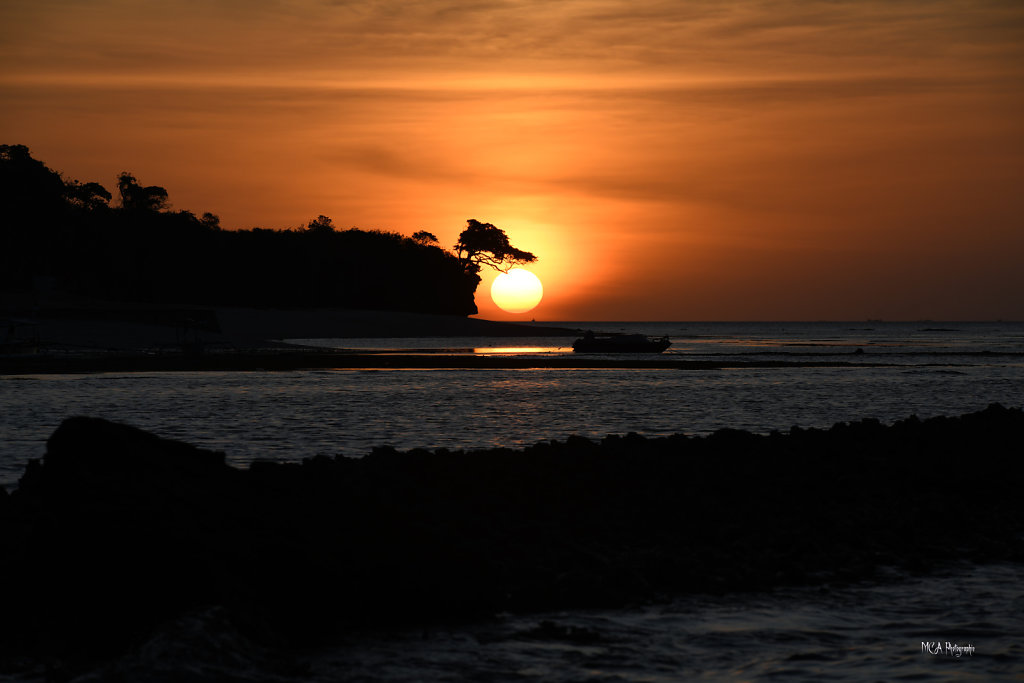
x,y
722,134
576,38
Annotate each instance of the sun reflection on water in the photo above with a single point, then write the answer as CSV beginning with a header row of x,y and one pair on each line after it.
x,y
515,350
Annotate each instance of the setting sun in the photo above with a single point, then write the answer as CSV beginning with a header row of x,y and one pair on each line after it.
x,y
655,156
517,291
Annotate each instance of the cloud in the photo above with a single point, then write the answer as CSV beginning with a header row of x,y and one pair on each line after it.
x,y
702,132
575,38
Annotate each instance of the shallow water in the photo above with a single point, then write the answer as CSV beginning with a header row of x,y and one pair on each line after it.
x,y
902,343
869,631
292,415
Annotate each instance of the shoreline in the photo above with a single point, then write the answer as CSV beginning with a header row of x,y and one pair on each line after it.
x,y
108,325
95,337
294,551
288,359
98,337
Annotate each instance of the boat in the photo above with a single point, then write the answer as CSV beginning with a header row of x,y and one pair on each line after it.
x,y
620,343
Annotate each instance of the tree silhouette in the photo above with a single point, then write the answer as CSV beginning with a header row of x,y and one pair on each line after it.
x,y
321,225
27,182
137,197
210,221
483,244
89,196
63,232
424,237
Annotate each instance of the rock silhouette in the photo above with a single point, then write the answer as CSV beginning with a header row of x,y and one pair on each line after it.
x,y
116,531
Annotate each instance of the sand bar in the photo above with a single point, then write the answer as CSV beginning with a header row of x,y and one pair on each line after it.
x,y
122,338
98,336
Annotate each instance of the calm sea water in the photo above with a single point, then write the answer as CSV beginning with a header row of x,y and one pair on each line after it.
x,y
896,630
865,632
932,369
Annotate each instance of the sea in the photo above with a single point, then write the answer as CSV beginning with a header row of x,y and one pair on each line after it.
x,y
754,376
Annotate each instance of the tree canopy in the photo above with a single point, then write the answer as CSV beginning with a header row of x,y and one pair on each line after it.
x,y
137,197
424,237
66,233
483,244
321,225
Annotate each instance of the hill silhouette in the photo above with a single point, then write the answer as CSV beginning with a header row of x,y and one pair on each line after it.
x,y
60,234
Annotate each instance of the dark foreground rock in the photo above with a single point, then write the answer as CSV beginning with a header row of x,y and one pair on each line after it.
x,y
118,531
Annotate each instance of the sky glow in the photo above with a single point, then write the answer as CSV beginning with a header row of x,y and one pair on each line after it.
x,y
663,159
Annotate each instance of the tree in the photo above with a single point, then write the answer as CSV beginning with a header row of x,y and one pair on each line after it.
x,y
28,183
483,244
322,225
89,196
425,238
210,221
137,197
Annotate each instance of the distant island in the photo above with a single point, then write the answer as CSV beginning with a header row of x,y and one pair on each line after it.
x,y
66,236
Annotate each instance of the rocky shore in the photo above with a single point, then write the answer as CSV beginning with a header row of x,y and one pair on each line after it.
x,y
116,531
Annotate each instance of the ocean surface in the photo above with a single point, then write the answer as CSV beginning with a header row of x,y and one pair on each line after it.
x,y
882,370
899,630
925,369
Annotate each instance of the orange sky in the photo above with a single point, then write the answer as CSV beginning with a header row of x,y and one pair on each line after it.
x,y
666,160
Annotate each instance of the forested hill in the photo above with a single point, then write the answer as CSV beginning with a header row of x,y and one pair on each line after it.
x,y
72,236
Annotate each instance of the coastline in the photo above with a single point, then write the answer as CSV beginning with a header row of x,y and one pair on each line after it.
x,y
293,552
96,337
284,359
72,337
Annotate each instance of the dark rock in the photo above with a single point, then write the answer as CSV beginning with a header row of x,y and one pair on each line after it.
x,y
118,531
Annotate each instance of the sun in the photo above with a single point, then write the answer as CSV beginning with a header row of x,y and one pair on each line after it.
x,y
517,291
